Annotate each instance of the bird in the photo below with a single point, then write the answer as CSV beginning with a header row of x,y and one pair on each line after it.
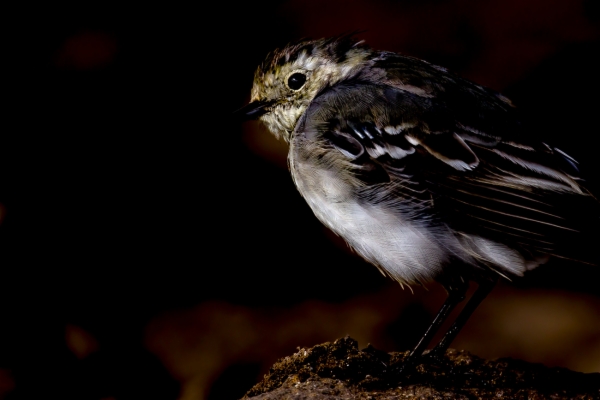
x,y
426,175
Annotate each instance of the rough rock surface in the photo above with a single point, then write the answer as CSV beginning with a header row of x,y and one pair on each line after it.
x,y
339,370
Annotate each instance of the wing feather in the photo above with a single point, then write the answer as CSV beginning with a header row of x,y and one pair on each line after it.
x,y
443,165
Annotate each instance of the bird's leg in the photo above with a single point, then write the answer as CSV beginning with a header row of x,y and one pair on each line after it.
x,y
484,288
456,294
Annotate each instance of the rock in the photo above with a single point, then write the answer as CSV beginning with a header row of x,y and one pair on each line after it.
x,y
339,370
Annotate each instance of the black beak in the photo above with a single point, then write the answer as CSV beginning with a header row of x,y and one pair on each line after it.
x,y
253,110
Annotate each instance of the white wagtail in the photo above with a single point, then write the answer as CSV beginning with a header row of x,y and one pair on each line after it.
x,y
426,175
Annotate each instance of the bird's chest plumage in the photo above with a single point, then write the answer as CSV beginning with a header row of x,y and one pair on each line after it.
x,y
380,234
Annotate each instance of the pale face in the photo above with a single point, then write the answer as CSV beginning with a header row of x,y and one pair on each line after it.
x,y
293,81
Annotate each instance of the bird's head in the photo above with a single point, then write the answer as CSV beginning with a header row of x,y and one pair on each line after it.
x,y
289,79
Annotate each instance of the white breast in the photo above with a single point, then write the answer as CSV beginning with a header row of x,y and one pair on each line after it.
x,y
407,250
379,234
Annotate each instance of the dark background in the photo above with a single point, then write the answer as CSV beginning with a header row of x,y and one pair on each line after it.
x,y
151,247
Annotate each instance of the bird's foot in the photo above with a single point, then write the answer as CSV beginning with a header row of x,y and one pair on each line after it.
x,y
402,369
412,367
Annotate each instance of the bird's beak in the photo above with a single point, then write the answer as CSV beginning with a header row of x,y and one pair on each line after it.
x,y
254,110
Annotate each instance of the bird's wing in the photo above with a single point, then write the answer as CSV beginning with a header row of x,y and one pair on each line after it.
x,y
413,150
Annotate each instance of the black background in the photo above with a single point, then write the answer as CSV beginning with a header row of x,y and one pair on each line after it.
x,y
128,193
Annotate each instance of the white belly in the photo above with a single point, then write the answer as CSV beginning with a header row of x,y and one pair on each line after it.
x,y
398,247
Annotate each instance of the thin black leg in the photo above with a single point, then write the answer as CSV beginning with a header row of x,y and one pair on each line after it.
x,y
456,294
485,287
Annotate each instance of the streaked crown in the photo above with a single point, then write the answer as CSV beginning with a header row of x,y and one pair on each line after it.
x,y
290,78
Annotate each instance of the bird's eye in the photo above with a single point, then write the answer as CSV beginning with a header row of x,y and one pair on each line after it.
x,y
296,81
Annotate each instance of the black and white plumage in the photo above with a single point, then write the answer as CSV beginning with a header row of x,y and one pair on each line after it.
x,y
425,174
